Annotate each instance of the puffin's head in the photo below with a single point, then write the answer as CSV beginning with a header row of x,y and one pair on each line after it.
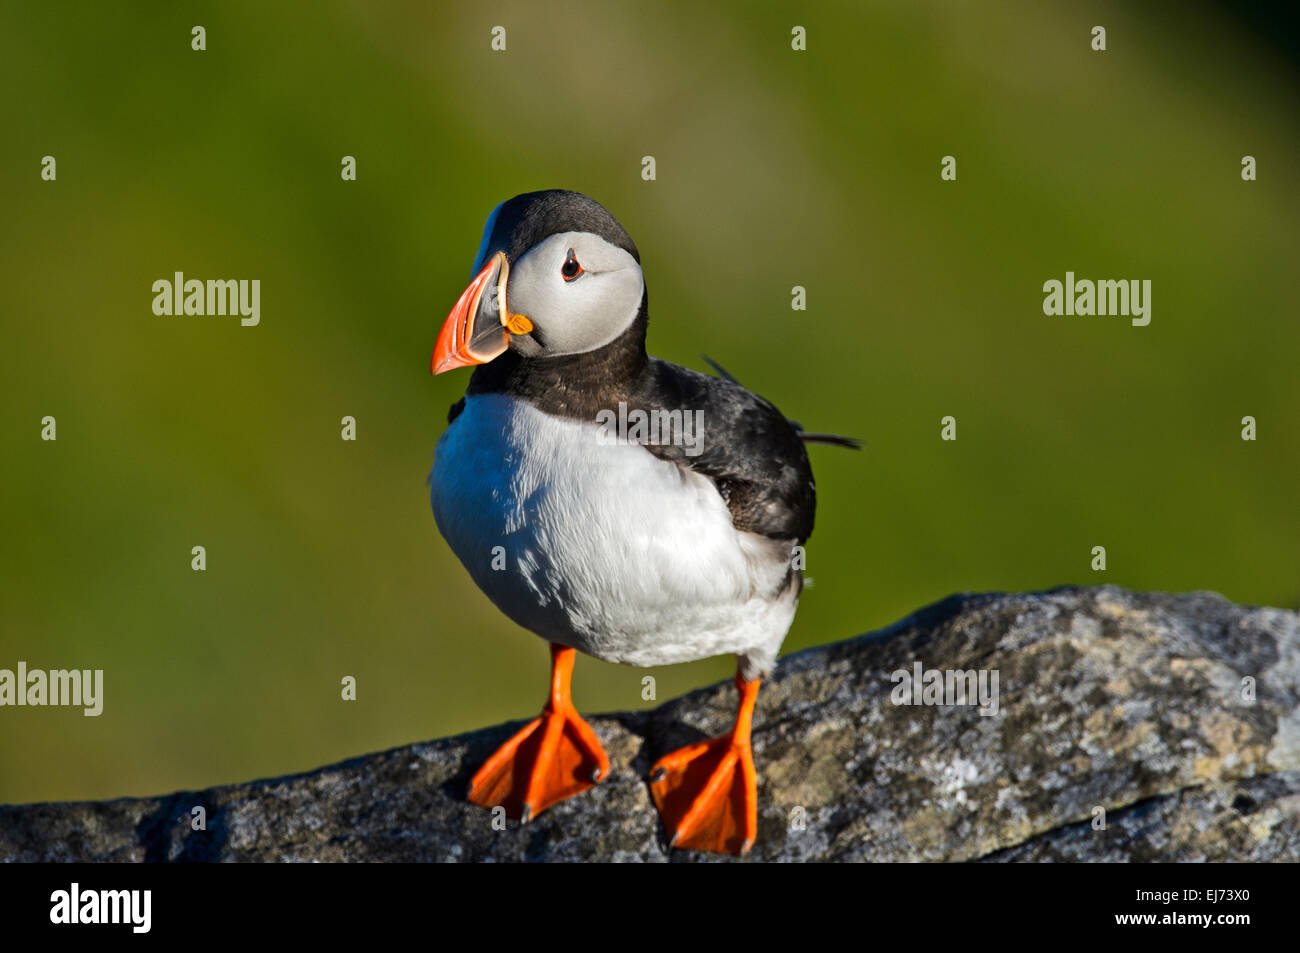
x,y
555,274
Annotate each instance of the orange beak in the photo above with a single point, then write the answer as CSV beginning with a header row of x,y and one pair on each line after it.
x,y
477,330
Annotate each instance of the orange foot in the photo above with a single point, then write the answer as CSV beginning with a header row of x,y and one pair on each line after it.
x,y
555,756
707,793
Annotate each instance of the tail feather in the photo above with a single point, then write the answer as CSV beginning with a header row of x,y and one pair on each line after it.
x,y
720,370
831,439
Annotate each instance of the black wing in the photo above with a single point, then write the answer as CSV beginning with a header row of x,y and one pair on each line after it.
x,y
753,455
832,439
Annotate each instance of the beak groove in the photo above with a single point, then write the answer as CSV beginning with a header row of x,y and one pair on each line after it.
x,y
475,330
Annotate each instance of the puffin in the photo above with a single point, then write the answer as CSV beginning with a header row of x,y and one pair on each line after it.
x,y
643,546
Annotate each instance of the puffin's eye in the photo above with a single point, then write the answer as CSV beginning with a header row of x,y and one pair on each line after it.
x,y
570,269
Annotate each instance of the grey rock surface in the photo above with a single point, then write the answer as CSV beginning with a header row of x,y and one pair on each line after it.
x,y
1135,710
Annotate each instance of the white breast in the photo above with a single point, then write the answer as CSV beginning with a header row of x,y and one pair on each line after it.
x,y
604,547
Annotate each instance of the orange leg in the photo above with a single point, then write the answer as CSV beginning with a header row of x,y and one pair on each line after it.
x,y
707,793
555,756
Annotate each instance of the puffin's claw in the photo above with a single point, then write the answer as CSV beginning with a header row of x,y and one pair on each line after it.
x,y
707,793
554,756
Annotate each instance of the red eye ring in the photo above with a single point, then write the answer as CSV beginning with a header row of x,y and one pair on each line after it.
x,y
571,268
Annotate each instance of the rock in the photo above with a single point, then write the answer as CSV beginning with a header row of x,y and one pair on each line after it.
x,y
1132,704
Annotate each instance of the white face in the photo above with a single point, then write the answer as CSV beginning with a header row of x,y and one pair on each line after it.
x,y
579,291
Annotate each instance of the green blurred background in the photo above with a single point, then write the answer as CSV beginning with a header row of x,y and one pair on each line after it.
x,y
775,168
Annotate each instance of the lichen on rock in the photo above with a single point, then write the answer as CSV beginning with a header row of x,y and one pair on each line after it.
x,y
1127,729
